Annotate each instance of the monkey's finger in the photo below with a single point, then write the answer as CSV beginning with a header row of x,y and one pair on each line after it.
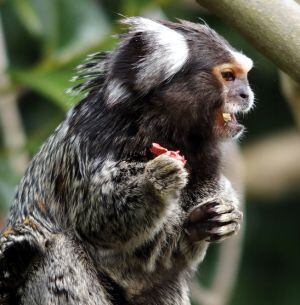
x,y
220,233
234,216
221,209
208,210
199,231
200,212
211,231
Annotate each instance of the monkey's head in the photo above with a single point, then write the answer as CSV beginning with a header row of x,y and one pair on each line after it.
x,y
181,77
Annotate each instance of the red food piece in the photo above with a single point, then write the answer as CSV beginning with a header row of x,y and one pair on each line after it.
x,y
158,150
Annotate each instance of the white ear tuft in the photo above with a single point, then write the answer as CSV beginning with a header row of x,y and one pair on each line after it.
x,y
168,52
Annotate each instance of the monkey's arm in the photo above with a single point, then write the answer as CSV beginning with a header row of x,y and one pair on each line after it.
x,y
215,218
39,267
19,247
129,202
63,275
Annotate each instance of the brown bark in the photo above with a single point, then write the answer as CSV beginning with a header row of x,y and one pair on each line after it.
x,y
273,27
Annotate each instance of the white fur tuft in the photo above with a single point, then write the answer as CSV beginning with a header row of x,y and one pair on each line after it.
x,y
116,92
251,99
168,52
243,60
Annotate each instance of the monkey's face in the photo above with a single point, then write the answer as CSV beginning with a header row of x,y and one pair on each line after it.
x,y
182,80
211,89
236,94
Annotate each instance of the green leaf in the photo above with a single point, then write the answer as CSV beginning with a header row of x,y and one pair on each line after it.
x,y
68,27
83,25
8,181
28,16
51,84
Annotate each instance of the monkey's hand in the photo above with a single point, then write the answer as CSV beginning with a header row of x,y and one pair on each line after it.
x,y
166,174
130,202
213,221
217,217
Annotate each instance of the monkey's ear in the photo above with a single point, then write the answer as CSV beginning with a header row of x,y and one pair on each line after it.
x,y
149,54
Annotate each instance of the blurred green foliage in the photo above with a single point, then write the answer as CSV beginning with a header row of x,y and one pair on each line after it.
x,y
46,39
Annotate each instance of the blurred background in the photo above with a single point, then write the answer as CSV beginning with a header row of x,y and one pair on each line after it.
x,y
41,41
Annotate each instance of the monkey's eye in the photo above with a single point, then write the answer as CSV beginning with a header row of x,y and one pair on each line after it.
x,y
228,76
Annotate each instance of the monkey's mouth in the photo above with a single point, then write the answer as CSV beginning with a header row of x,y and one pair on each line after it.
x,y
229,118
227,125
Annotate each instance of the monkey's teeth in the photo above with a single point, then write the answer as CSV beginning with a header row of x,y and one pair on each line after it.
x,y
226,117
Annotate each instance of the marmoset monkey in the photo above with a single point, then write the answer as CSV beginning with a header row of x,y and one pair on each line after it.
x,y
99,217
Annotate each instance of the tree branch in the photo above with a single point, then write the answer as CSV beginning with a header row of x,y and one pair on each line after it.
x,y
273,27
291,92
273,166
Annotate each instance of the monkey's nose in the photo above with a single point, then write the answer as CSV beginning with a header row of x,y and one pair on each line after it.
x,y
244,95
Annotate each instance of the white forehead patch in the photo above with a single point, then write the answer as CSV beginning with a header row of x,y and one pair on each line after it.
x,y
168,51
243,60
